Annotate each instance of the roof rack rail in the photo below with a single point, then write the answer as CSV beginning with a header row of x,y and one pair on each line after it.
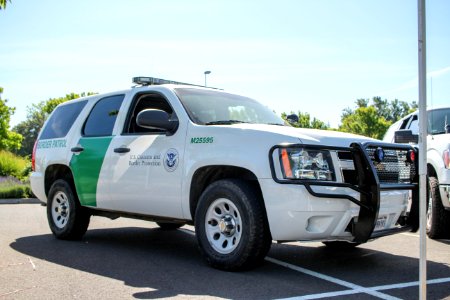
x,y
144,81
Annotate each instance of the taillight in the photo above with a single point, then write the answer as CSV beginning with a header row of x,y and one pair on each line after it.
x,y
33,157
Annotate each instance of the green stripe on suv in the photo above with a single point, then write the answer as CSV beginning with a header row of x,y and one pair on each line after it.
x,y
86,167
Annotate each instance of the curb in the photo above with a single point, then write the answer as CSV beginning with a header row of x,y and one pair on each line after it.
x,y
20,201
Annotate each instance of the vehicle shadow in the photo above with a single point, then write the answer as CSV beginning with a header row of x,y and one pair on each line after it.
x,y
169,263
443,241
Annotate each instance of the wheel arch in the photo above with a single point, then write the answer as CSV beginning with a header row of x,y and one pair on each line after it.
x,y
55,172
206,175
431,171
435,163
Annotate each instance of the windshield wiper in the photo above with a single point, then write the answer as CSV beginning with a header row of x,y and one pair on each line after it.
x,y
278,124
438,132
224,122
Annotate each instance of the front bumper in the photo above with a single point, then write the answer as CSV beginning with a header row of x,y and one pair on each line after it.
x,y
339,210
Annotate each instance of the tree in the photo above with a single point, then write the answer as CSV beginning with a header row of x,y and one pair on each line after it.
x,y
9,140
36,116
365,121
304,121
373,120
3,3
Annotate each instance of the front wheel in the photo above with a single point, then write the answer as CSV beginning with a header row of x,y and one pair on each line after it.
x,y
231,226
438,219
67,219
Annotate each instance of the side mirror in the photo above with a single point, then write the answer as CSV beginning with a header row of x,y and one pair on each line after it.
x,y
405,137
157,119
292,118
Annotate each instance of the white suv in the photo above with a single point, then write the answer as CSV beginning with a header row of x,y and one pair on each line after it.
x,y
181,154
406,130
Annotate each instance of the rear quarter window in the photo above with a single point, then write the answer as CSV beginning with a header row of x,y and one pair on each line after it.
x,y
61,120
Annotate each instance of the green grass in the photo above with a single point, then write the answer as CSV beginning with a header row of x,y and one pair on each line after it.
x,y
14,174
13,188
13,165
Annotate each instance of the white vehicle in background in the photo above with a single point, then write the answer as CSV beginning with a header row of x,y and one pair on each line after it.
x,y
406,130
181,154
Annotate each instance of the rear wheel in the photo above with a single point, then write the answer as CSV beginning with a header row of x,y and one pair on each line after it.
x,y
67,219
231,226
438,219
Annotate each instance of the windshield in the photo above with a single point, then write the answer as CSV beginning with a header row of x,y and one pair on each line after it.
x,y
437,119
209,107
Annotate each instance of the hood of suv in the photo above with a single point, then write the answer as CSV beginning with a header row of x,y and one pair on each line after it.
x,y
439,142
309,136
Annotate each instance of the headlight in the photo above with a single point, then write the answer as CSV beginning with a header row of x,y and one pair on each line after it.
x,y
303,163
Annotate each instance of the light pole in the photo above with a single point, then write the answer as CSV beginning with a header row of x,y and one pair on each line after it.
x,y
206,73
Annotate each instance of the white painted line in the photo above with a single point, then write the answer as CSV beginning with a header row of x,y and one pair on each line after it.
x,y
408,284
324,295
376,288
355,287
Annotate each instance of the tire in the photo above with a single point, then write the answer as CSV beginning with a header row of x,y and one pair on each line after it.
x,y
438,219
231,226
169,226
67,219
341,245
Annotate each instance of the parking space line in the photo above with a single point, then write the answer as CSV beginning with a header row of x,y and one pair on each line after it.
x,y
376,288
325,295
354,287
408,284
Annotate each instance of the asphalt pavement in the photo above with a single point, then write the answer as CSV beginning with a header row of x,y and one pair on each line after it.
x,y
126,259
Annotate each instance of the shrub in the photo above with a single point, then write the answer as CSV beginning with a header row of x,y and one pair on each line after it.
x,y
13,188
12,165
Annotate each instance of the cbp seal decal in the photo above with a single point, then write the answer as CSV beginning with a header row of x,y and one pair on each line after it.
x,y
171,160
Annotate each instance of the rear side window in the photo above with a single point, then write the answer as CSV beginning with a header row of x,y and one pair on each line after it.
x,y
61,120
103,116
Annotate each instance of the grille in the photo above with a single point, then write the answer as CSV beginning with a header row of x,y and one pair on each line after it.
x,y
394,168
350,176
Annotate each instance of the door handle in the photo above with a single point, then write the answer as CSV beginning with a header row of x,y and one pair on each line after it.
x,y
77,149
121,150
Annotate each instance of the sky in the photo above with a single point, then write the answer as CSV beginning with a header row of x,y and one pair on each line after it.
x,y
316,56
